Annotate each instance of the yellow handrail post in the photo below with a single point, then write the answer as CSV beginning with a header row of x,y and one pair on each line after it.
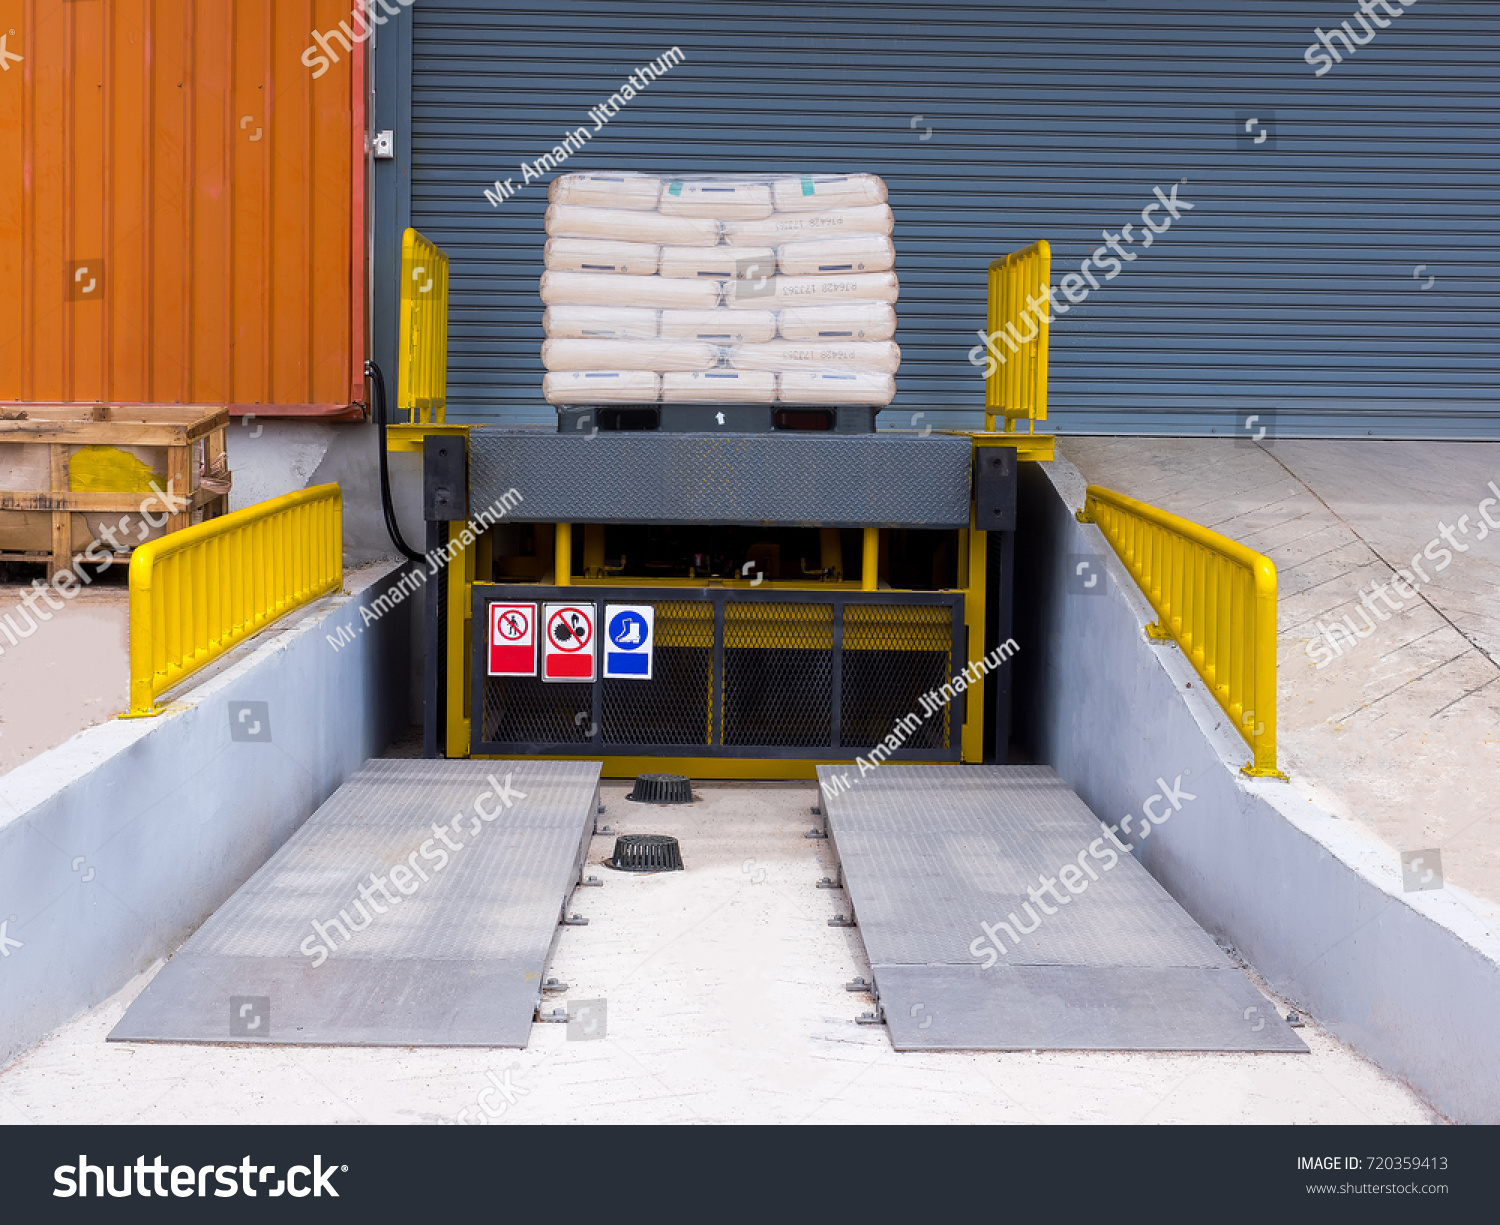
x,y
199,592
1212,596
422,375
1018,323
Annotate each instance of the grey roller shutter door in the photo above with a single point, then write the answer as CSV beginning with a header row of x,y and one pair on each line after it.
x,y
1340,273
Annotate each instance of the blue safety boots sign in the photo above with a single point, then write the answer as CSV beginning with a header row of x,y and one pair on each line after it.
x,y
630,631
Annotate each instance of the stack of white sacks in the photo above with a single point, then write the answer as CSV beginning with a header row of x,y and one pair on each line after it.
x,y
719,290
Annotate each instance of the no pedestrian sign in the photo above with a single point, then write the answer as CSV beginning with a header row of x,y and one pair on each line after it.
x,y
568,649
512,639
628,651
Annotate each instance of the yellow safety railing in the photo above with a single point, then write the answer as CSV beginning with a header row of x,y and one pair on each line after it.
x,y
422,380
1017,324
1215,598
200,591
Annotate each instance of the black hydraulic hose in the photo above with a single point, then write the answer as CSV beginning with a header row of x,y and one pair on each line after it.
x,y
372,372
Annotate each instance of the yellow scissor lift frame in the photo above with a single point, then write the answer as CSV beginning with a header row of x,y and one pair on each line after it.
x,y
1015,392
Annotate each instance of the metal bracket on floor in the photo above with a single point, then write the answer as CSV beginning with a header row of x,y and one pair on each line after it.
x,y
860,986
1158,634
833,882
589,882
575,920
839,920
558,1016
815,832
602,831
816,811
871,1018
553,984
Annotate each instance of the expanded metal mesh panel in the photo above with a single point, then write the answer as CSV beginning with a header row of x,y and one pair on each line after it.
x,y
891,657
675,707
528,710
778,674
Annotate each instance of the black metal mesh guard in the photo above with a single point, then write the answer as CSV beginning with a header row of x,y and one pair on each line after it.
x,y
739,673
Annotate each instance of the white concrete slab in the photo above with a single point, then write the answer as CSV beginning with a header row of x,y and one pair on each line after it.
x,y
724,1004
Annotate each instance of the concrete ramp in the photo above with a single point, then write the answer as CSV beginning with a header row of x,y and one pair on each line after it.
x,y
371,927
938,861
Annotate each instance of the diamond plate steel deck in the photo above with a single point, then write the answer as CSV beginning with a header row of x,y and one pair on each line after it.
x,y
929,853
791,479
458,961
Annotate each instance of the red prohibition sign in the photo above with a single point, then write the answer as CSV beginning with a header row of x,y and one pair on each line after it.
x,y
569,630
512,624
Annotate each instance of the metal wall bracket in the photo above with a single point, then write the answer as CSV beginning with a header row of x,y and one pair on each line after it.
x,y
839,920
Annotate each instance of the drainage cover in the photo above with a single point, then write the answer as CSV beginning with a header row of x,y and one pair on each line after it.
x,y
662,789
647,853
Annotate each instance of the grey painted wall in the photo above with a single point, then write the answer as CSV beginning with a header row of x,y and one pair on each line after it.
x,y
270,458
115,845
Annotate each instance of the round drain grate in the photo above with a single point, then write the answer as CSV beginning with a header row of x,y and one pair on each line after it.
x,y
662,789
647,853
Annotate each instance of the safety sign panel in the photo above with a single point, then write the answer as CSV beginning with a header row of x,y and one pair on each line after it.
x,y
628,649
568,649
512,639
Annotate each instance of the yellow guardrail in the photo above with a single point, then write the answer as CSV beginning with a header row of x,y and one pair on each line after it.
x,y
1017,324
1215,598
200,591
422,380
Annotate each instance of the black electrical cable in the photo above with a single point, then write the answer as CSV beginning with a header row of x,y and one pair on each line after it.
x,y
372,372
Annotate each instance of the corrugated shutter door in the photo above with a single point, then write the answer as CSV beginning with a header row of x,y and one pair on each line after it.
x,y
1340,272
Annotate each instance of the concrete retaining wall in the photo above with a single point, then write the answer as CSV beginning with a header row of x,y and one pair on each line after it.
x,y
1315,904
115,845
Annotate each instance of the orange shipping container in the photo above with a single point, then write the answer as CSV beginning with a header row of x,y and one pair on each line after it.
x,y
182,206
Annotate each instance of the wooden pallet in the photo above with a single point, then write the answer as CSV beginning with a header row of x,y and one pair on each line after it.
x,y
194,436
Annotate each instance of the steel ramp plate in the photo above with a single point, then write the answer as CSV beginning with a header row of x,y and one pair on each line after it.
x,y
457,962
930,853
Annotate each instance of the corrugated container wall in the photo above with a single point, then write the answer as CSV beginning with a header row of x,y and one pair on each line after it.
x,y
182,206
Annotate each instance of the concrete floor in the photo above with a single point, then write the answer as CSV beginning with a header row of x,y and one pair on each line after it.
x,y
724,1004
1401,731
70,672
